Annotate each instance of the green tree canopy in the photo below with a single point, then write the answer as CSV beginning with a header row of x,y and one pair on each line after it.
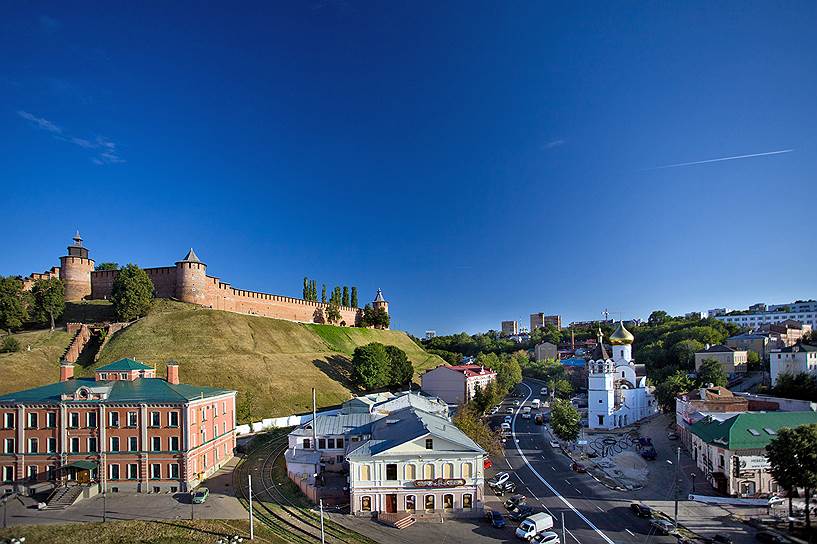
x,y
400,369
375,317
370,366
658,317
468,420
354,297
712,372
14,303
345,297
792,457
564,419
801,386
132,293
671,386
333,312
48,297
107,266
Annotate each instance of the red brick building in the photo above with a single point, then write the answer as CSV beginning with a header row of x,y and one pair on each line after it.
x,y
122,430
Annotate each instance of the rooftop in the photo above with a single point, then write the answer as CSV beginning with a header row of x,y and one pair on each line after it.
x,y
749,430
124,365
717,348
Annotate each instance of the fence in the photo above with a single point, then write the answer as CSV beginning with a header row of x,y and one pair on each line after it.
x,y
278,422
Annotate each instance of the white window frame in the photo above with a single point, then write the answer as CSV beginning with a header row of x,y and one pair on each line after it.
x,y
155,443
51,445
74,440
134,472
111,417
135,441
173,471
8,473
88,417
73,420
111,471
171,416
118,444
8,420
155,471
135,417
155,418
8,445
32,420
170,445
33,445
51,420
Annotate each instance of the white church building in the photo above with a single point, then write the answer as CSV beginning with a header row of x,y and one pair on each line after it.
x,y
617,394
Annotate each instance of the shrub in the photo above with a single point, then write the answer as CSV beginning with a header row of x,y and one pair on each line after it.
x,y
10,345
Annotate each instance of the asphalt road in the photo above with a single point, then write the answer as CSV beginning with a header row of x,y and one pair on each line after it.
x,y
593,513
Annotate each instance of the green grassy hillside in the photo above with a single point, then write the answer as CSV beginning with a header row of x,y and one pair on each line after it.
x,y
278,362
36,366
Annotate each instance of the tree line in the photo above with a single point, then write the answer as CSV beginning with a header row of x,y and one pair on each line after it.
x,y
341,296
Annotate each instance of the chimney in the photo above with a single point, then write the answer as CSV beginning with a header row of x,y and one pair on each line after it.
x,y
66,371
173,372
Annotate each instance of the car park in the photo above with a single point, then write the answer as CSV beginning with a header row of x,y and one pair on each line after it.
x,y
663,527
499,479
505,427
516,403
495,518
641,510
546,537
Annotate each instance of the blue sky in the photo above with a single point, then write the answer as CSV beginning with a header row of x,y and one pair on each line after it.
x,y
479,161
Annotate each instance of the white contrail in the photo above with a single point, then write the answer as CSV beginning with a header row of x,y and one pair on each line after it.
x,y
723,159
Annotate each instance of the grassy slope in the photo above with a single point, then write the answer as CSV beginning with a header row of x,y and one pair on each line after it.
x,y
40,366
279,361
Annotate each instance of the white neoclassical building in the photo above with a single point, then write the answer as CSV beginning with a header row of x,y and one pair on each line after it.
x,y
618,394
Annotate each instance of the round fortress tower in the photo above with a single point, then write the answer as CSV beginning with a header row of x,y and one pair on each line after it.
x,y
75,271
191,279
380,302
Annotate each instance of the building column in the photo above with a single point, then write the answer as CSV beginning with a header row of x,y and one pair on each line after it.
x,y
103,448
143,458
20,460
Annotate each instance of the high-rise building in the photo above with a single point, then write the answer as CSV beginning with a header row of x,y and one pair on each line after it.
x,y
540,320
510,328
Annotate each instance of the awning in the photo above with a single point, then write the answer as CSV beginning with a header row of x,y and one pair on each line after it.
x,y
83,465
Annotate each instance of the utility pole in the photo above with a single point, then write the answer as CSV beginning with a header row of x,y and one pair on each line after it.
x,y
5,501
249,486
677,484
564,541
314,416
323,537
104,507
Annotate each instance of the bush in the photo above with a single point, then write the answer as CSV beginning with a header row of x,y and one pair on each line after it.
x,y
10,345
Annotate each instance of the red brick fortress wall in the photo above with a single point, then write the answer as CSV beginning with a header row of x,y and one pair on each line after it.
x,y
163,278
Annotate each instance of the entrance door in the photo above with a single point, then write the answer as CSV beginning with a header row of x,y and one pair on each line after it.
x,y
391,504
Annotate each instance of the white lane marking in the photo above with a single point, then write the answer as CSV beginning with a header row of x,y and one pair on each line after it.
x,y
553,469
599,509
629,531
509,463
579,491
547,484
532,493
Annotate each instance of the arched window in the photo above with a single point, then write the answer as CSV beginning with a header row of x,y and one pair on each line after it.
x,y
366,503
365,473
411,503
429,503
411,472
467,501
448,501
448,470
428,471
466,470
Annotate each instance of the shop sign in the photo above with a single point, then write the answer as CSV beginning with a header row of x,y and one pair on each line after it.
x,y
439,482
753,462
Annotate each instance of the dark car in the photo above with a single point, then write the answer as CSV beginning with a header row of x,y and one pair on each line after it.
x,y
495,518
507,487
649,453
515,500
520,512
578,467
641,510
722,539
770,538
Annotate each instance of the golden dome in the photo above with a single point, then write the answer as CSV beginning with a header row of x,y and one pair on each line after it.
x,y
621,336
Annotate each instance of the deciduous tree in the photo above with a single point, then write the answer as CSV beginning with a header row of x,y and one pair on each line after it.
x,y
712,372
48,296
14,303
400,369
107,266
132,293
564,419
370,366
792,458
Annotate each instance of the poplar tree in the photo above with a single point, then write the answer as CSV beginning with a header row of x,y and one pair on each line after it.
x,y
306,288
323,294
354,297
345,299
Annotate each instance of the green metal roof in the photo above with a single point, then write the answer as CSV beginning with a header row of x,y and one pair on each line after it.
x,y
125,391
124,365
82,464
749,430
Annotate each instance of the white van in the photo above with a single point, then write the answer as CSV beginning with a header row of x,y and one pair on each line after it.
x,y
543,391
533,525
536,403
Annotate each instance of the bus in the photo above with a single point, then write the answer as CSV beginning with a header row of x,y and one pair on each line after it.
x,y
536,403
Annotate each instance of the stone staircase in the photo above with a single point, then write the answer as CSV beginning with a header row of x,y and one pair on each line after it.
x,y
63,497
400,520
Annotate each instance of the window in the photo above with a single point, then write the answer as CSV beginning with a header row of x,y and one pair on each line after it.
x,y
52,445
601,419
32,473
155,471
365,473
103,375
321,443
411,503
113,419
366,504
73,420
123,375
133,419
133,471
448,470
8,420
224,407
720,461
467,501
50,473
429,503
466,470
32,420
215,431
339,443
8,474
90,420
33,445
114,443
8,445
203,436
448,501
330,443
156,443
428,471
203,414
75,444
155,419
411,472
133,443
173,419
307,443
173,471
223,427
429,443
391,471
173,443
113,472
92,444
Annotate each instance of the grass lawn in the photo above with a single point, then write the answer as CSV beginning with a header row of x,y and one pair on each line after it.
x,y
141,532
39,366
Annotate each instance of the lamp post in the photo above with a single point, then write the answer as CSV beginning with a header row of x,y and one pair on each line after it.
x,y
693,482
104,507
5,500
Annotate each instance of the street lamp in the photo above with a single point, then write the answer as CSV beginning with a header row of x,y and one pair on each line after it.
x,y
693,482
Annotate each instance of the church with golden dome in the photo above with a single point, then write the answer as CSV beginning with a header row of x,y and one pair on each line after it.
x,y
617,390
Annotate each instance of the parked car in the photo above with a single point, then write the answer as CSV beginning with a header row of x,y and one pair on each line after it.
x,y
554,444
520,512
507,487
673,436
495,518
498,479
526,415
533,525
767,537
721,538
641,510
516,403
538,419
663,527
649,453
509,410
578,467
546,537
515,500
200,495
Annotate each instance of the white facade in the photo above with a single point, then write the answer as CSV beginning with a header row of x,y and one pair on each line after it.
x,y
793,360
753,320
456,384
617,396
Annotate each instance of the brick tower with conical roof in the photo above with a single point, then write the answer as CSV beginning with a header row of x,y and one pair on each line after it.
x,y
75,271
191,279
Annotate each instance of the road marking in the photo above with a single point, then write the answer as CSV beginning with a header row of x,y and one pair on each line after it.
x,y
553,469
579,491
509,463
532,493
629,531
547,484
599,509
